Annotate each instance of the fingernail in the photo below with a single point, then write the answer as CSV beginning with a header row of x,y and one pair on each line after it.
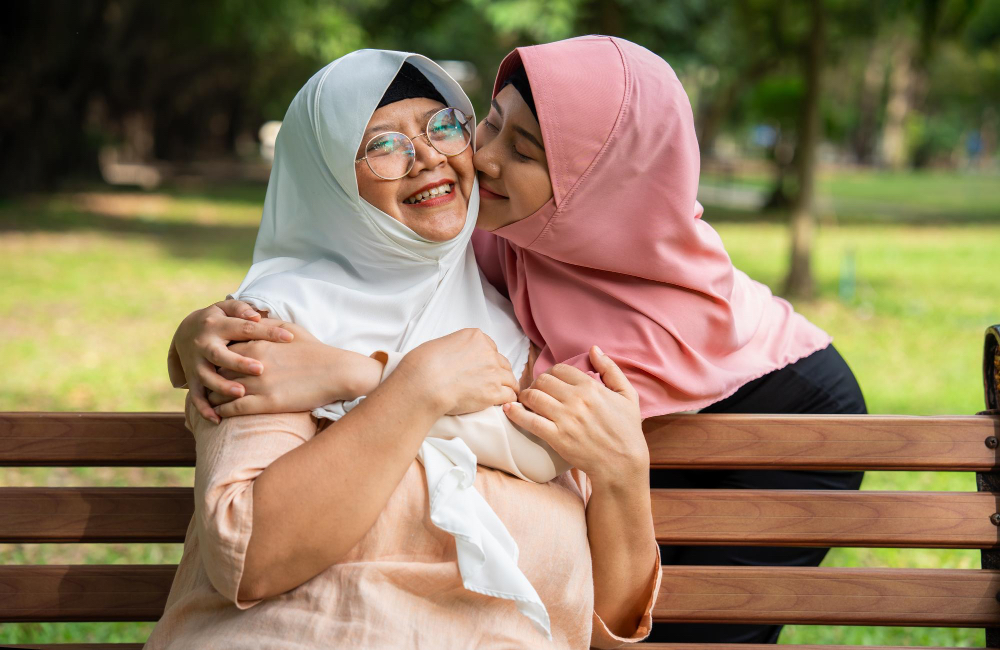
x,y
236,390
285,335
506,407
599,350
256,368
249,314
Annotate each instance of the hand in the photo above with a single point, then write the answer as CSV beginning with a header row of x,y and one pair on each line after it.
x,y
462,372
300,376
199,345
597,429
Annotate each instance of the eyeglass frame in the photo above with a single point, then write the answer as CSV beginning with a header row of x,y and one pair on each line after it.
x,y
412,141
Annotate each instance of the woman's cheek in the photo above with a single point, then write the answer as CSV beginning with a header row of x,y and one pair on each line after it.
x,y
465,171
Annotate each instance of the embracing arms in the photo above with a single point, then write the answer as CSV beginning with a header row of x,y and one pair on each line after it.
x,y
307,498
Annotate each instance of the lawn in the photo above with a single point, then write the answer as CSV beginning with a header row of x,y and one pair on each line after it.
x,y
95,282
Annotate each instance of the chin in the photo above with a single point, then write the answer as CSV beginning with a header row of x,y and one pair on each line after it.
x,y
441,228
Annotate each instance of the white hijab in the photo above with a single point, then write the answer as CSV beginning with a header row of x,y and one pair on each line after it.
x,y
360,280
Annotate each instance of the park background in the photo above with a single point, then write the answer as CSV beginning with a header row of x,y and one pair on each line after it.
x,y
849,162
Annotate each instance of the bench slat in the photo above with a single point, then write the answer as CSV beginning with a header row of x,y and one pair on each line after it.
x,y
825,518
829,596
889,442
681,517
65,593
95,440
847,442
77,646
823,596
95,514
766,646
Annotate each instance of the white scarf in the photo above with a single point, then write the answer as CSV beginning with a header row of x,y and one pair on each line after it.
x,y
360,280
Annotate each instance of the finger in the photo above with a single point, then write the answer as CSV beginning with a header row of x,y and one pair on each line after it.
x,y
237,329
534,423
611,374
224,357
507,395
212,380
218,398
249,405
508,379
200,403
541,403
504,362
570,374
238,309
552,385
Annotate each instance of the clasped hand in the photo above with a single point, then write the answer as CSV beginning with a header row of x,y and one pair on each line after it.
x,y
595,428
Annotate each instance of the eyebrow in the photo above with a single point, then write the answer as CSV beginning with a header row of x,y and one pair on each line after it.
x,y
519,130
388,127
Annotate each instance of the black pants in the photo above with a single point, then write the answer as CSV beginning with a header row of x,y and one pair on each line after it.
x,y
819,383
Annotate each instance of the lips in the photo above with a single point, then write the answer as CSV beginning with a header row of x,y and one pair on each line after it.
x,y
486,193
431,191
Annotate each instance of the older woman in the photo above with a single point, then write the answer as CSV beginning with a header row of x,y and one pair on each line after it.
x,y
316,528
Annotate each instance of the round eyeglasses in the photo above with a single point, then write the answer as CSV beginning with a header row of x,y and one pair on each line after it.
x,y
390,155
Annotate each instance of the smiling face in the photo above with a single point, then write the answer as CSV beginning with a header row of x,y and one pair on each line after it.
x,y
510,158
433,199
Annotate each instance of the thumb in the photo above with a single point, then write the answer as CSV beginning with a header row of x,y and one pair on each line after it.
x,y
611,374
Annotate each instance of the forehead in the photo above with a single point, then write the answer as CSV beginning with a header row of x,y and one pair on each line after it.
x,y
403,114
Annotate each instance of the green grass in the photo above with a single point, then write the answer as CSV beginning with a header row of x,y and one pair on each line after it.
x,y
94,284
866,196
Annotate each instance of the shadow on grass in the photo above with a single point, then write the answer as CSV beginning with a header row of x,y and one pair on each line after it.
x,y
182,239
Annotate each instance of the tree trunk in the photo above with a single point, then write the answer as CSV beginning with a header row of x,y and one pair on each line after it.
x,y
799,282
868,105
894,149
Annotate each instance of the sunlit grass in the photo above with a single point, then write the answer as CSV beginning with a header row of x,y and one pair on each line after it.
x,y
94,284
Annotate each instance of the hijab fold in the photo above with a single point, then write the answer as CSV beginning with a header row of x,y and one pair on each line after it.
x,y
620,256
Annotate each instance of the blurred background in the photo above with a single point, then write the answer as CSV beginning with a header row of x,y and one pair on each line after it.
x,y
849,161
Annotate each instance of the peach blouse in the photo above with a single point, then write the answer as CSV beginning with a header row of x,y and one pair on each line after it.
x,y
399,587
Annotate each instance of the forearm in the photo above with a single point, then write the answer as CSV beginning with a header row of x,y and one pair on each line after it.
x,y
623,552
312,505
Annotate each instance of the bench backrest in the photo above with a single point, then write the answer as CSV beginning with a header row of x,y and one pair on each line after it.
x,y
822,596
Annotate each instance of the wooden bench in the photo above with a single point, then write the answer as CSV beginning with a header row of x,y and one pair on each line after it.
x,y
814,596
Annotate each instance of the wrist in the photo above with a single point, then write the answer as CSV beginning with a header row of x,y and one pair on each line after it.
x,y
349,375
626,482
423,384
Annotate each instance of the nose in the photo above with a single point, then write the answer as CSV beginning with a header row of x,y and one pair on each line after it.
x,y
485,160
425,156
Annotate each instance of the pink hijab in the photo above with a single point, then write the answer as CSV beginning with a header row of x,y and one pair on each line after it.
x,y
620,257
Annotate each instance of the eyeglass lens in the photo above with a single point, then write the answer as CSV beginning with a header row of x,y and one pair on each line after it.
x,y
391,155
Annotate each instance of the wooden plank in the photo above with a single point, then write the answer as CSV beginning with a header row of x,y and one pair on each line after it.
x,y
679,441
95,439
847,442
825,518
63,593
766,646
76,646
95,514
829,596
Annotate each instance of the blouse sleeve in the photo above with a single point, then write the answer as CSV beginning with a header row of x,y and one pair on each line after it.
x,y
231,455
601,637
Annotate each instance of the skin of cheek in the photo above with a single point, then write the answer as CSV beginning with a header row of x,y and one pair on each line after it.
x,y
526,183
435,224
